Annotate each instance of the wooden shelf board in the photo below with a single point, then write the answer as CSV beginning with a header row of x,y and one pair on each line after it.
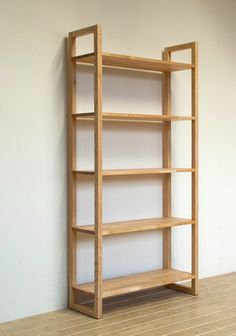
x,y
132,62
139,171
131,117
135,225
137,282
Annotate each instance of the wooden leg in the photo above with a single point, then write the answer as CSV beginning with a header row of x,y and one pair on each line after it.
x,y
181,288
83,309
194,85
71,165
166,161
98,171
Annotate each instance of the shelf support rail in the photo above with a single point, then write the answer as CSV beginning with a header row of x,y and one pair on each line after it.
x,y
193,46
96,311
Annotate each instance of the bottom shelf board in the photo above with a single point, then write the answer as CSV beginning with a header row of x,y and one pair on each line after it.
x,y
137,282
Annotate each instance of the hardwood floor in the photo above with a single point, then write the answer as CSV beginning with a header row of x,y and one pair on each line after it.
x,y
151,313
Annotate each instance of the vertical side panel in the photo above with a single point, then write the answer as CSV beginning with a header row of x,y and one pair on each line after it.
x,y
98,169
195,166
166,162
71,87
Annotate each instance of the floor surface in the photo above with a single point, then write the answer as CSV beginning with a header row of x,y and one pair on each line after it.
x,y
157,312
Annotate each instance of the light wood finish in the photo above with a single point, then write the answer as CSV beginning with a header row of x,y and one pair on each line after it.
x,y
96,311
155,312
132,117
135,225
131,62
193,46
71,143
83,32
88,298
180,47
139,171
83,309
137,282
98,170
182,288
195,167
166,161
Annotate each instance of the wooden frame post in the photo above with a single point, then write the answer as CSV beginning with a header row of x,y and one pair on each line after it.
x,y
96,31
193,46
98,169
166,162
71,86
194,80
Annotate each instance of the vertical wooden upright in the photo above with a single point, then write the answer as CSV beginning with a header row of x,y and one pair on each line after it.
x,y
166,162
194,80
96,310
71,142
193,47
98,169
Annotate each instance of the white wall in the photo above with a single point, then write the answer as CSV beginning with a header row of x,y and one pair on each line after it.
x,y
33,231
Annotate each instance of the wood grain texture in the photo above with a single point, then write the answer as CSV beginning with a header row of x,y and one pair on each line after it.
x,y
135,225
139,171
194,81
137,282
98,288
71,144
96,310
166,162
180,47
132,62
82,32
132,117
193,47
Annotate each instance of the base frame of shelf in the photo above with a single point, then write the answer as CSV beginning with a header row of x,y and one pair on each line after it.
x,y
182,288
85,297
136,282
83,309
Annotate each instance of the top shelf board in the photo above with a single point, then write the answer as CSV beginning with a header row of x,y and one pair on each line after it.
x,y
136,63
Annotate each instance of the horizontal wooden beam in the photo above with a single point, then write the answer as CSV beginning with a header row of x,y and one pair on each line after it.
x,y
83,31
181,288
180,47
83,309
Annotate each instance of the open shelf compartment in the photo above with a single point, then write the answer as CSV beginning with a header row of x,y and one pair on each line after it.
x,y
137,282
135,225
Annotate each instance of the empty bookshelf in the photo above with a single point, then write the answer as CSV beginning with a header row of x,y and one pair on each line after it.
x,y
88,297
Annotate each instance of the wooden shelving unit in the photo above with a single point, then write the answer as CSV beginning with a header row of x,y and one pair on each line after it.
x,y
88,298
